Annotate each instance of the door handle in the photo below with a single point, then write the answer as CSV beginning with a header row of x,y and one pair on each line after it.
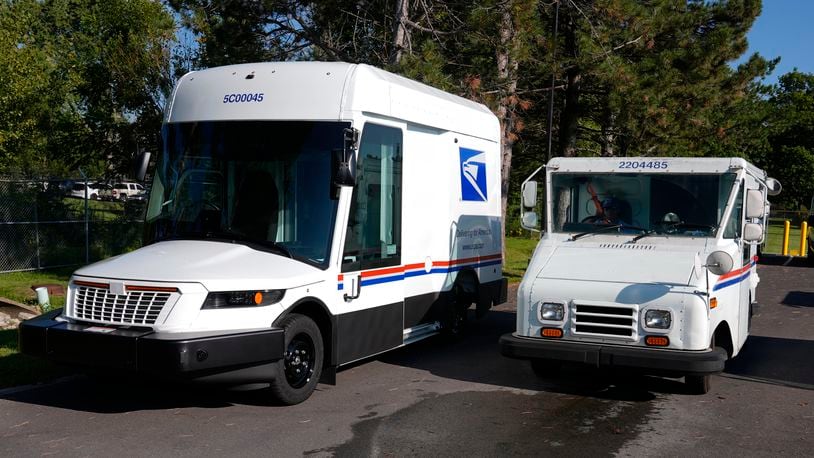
x,y
355,289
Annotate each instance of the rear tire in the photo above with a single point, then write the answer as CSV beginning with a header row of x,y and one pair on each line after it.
x,y
299,371
456,313
545,368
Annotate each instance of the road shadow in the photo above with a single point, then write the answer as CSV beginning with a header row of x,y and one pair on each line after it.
x,y
780,260
475,357
775,360
118,395
799,299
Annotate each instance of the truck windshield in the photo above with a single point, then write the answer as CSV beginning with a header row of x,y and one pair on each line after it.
x,y
266,184
667,204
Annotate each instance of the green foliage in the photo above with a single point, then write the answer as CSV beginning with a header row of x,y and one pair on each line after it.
x,y
84,83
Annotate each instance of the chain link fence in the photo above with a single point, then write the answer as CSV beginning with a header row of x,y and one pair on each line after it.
x,y
42,226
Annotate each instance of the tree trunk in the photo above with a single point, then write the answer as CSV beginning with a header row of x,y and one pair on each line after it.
x,y
507,76
608,135
569,118
400,37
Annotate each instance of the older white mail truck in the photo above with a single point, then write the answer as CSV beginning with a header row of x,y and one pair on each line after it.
x,y
646,264
302,216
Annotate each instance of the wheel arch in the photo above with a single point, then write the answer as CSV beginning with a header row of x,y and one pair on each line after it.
x,y
467,280
723,338
316,310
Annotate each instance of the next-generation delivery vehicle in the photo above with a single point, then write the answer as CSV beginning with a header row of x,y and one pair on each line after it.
x,y
646,264
302,216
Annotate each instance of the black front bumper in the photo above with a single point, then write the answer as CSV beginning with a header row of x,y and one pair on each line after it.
x,y
650,360
166,355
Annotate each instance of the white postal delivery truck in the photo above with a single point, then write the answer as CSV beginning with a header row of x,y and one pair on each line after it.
x,y
646,264
302,216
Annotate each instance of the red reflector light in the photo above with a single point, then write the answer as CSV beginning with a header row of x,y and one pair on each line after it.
x,y
551,332
157,289
91,284
657,341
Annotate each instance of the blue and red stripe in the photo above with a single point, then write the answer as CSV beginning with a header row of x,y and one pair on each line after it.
x,y
736,276
392,274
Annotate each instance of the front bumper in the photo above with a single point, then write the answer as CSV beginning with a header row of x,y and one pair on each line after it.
x,y
646,359
166,355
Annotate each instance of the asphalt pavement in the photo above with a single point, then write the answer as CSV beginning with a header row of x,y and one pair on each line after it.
x,y
460,398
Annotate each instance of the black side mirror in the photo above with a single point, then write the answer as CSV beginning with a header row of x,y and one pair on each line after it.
x,y
141,165
341,174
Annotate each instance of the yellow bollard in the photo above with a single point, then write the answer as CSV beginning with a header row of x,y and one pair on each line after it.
x,y
786,231
803,238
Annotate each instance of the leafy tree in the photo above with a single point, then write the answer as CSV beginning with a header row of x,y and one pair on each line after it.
x,y
790,157
648,78
85,83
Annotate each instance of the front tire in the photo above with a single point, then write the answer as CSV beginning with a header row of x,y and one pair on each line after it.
x,y
545,368
697,384
299,371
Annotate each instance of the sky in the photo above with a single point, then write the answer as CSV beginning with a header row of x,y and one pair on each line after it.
x,y
785,29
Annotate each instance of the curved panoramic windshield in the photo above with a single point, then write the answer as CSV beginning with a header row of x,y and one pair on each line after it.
x,y
265,184
666,204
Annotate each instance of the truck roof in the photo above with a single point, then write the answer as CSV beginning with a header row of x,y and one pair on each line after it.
x,y
653,165
322,91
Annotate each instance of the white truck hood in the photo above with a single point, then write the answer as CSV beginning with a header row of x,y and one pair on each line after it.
x,y
620,262
218,266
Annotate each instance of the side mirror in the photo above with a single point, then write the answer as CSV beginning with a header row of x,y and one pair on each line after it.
x,y
719,262
773,187
754,204
529,220
752,233
340,170
141,165
529,192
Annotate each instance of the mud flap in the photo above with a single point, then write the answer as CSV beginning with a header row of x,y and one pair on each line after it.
x,y
484,302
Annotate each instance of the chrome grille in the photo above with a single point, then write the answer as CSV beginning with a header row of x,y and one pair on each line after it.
x,y
133,307
605,320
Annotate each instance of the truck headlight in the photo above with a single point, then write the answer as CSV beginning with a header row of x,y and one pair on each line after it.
x,y
658,319
253,298
552,311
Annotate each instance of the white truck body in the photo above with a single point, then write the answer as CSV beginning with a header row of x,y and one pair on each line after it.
x,y
609,293
245,206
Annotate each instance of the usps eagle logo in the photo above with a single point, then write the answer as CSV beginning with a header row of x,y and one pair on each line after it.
x,y
473,175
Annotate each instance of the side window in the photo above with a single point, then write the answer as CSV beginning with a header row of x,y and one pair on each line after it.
x,y
733,226
373,237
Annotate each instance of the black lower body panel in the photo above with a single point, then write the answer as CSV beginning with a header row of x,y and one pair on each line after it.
x,y
648,360
165,355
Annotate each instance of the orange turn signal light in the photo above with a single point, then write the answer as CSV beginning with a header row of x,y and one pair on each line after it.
x,y
713,302
551,332
657,341
258,298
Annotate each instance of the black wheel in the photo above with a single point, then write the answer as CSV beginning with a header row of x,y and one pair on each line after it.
x,y
545,367
299,370
94,197
456,313
697,384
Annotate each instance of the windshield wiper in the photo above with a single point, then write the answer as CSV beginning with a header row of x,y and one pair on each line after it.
x,y
608,228
596,231
643,235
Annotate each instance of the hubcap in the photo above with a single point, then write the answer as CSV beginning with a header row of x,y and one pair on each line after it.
x,y
299,360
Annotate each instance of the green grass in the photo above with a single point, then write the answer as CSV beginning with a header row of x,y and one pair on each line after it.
x,y
774,238
17,285
99,210
15,368
518,253
18,369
